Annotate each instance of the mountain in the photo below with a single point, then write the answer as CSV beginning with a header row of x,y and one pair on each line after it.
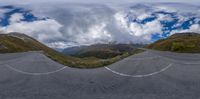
x,y
179,42
16,42
102,51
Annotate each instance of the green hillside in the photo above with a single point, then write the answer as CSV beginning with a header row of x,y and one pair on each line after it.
x,y
16,42
179,42
102,51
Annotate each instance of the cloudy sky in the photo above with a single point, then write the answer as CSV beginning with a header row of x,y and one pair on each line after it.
x,y
66,23
94,1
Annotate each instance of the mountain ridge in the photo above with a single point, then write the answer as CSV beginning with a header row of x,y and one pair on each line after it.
x,y
188,42
102,51
17,42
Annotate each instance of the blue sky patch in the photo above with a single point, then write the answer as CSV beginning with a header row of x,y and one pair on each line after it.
x,y
28,16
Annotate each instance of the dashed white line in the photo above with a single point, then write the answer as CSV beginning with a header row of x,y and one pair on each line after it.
x,y
139,76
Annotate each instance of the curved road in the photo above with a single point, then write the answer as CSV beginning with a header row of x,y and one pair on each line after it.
x,y
148,75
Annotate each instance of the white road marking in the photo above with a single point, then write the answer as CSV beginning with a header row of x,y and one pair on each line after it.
x,y
35,74
139,76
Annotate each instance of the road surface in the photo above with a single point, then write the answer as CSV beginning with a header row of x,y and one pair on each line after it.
x,y
148,75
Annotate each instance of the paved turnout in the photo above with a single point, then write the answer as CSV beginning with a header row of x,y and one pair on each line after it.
x,y
148,75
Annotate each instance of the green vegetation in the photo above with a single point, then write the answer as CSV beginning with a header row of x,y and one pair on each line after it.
x,y
177,46
89,62
15,42
102,51
181,42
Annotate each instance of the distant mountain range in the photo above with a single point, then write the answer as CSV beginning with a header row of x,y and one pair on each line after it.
x,y
100,54
179,42
16,42
102,51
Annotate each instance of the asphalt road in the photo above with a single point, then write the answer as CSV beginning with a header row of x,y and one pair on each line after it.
x,y
148,75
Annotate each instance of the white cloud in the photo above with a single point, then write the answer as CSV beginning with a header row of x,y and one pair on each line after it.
x,y
15,18
165,8
95,34
120,18
72,25
193,28
86,25
91,1
143,16
145,31
142,31
162,17
58,44
42,30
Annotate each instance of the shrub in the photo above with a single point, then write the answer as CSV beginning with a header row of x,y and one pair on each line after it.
x,y
177,46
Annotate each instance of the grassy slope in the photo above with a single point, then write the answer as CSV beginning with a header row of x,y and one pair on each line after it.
x,y
20,43
183,43
102,51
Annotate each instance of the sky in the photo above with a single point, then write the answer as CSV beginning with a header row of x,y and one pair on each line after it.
x,y
93,1
63,24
